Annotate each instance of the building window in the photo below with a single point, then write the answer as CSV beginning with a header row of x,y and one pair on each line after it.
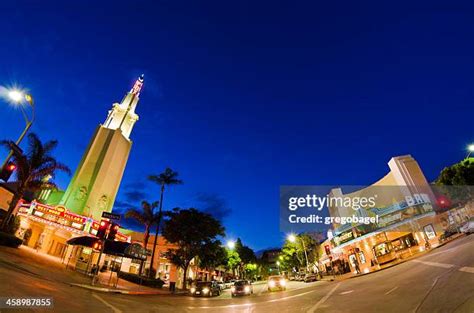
x,y
362,257
429,231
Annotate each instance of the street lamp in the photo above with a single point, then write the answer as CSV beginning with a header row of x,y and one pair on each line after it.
x,y
470,149
292,238
231,244
18,97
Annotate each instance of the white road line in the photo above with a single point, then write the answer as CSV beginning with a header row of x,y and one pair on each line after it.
x,y
346,292
250,304
316,306
467,269
106,303
443,265
391,290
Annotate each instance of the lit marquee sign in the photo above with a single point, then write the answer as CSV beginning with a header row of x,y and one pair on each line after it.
x,y
60,215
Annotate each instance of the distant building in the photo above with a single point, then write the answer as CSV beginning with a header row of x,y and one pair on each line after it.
x,y
270,258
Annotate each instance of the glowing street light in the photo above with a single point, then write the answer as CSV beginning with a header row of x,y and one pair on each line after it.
x,y
231,244
470,149
16,96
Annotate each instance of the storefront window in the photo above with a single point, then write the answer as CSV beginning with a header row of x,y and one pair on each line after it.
x,y
429,231
362,257
382,249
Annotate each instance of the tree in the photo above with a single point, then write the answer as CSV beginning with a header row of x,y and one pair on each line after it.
x,y
246,254
293,255
192,231
233,260
146,216
32,169
212,255
456,181
167,178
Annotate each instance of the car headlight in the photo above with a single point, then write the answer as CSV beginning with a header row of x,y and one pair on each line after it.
x,y
271,283
232,288
282,282
247,289
205,290
192,290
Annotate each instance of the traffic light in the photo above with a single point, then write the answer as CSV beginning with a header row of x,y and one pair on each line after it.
x,y
113,231
7,171
328,249
103,228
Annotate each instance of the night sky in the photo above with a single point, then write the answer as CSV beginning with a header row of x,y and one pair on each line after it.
x,y
241,97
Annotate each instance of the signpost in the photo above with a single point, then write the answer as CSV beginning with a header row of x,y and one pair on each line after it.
x,y
111,216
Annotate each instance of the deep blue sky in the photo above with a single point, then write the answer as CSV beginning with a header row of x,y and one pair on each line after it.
x,y
241,97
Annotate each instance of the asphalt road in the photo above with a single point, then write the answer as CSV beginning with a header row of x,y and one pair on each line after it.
x,y
440,281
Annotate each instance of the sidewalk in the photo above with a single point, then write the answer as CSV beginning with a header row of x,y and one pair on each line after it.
x,y
51,268
378,268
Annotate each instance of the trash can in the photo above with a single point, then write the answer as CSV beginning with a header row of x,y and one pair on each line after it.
x,y
172,286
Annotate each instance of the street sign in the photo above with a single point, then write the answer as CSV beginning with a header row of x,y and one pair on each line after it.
x,y
111,216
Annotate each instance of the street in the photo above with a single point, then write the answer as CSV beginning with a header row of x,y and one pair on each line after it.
x,y
440,281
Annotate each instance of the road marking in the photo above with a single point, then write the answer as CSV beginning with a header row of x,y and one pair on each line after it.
x,y
467,269
106,303
391,290
346,292
251,304
443,265
316,306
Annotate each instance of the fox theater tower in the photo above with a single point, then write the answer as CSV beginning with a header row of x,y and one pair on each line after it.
x,y
56,216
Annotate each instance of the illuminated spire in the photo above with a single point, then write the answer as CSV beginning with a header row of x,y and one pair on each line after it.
x,y
122,115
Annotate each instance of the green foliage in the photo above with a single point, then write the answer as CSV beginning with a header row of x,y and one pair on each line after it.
x,y
293,253
233,259
456,181
33,167
192,231
212,255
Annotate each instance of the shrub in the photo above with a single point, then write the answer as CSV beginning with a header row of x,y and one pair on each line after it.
x,y
9,240
145,281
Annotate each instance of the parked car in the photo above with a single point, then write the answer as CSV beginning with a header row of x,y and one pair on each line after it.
x,y
468,227
447,233
221,285
310,277
206,289
229,283
276,283
241,287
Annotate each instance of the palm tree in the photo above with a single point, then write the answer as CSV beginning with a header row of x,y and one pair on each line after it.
x,y
145,216
33,169
167,178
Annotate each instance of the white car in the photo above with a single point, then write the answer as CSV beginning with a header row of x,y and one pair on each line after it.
x,y
468,228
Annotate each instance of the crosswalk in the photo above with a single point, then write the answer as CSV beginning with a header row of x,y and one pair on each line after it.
x,y
466,269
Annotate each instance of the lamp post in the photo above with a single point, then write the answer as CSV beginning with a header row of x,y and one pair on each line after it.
x,y
292,238
231,244
470,149
18,97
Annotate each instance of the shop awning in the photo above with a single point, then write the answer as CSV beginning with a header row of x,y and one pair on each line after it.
x,y
117,248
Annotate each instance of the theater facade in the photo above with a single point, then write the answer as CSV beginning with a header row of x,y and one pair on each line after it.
x,y
409,222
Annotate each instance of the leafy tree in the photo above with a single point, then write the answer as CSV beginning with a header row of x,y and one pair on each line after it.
x,y
293,256
192,231
146,216
457,180
233,260
246,254
32,169
167,178
212,255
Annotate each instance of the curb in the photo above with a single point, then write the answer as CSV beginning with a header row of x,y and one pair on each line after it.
x,y
120,291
